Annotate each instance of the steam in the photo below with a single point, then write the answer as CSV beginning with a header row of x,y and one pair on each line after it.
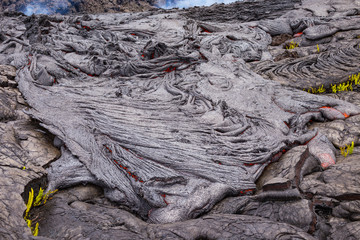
x,y
192,3
61,6
48,7
35,9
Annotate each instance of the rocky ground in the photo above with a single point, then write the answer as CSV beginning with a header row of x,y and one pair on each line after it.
x,y
223,122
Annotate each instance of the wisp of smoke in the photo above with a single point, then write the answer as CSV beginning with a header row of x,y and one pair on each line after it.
x,y
35,9
187,3
51,7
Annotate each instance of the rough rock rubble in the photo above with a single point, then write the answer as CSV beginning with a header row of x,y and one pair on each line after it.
x,y
183,124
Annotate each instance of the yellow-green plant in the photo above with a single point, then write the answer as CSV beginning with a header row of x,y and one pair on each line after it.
x,y
316,90
30,202
318,49
321,89
47,195
355,78
34,230
41,198
292,45
341,87
311,90
347,150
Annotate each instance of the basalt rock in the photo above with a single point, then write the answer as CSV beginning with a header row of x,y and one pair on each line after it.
x,y
339,181
86,208
346,231
165,117
349,210
247,11
165,126
24,150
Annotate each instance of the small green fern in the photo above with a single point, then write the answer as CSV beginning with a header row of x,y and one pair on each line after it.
x,y
316,90
29,203
41,198
35,231
292,45
347,150
341,87
355,78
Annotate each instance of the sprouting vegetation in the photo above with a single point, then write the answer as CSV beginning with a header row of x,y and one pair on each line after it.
x,y
354,80
318,48
347,150
29,203
41,198
292,45
341,87
28,221
316,90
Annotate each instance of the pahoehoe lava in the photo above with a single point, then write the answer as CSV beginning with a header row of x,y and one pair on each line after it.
x,y
169,114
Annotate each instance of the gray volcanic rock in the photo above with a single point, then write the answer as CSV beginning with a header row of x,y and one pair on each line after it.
x,y
24,150
348,209
346,231
246,11
198,114
299,72
335,181
77,215
341,132
8,74
285,168
166,120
